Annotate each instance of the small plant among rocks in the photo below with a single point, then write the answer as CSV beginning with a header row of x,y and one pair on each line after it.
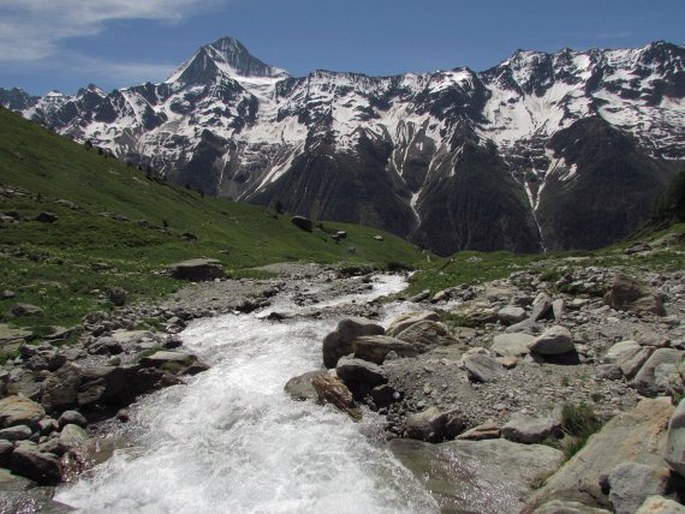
x,y
578,423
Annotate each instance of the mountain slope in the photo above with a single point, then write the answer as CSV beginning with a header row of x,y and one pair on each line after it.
x,y
117,225
453,159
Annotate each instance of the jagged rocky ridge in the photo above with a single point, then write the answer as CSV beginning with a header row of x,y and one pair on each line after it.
x,y
556,151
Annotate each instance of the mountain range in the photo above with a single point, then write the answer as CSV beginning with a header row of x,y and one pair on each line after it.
x,y
543,151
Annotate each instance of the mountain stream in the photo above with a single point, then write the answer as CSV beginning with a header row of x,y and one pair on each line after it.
x,y
232,441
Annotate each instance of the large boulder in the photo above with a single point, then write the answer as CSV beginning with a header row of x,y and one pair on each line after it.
x,y
358,371
627,294
511,314
555,340
426,334
375,348
514,345
629,356
475,313
675,441
28,461
19,410
632,483
481,366
405,321
427,425
637,435
302,223
72,436
655,375
330,389
117,387
59,391
489,476
339,342
300,388
197,270
542,307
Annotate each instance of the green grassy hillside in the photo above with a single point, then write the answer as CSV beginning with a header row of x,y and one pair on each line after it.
x,y
118,226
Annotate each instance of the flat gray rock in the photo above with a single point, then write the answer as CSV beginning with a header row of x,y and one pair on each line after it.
x,y
492,476
528,430
511,344
632,483
637,435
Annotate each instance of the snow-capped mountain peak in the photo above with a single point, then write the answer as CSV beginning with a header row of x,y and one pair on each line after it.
x,y
226,56
511,157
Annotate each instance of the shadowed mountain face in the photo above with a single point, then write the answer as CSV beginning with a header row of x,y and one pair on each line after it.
x,y
557,151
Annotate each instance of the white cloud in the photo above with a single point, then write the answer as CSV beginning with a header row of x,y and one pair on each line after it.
x,y
33,29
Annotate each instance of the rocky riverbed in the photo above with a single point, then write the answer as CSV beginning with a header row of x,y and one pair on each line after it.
x,y
471,383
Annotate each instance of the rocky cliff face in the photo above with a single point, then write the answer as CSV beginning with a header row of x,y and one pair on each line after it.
x,y
564,150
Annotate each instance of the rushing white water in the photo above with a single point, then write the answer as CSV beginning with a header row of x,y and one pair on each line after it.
x,y
232,441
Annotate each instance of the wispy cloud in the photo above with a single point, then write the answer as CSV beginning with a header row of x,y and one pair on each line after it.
x,y
33,29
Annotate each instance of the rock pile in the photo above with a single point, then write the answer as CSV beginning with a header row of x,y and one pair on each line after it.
x,y
481,376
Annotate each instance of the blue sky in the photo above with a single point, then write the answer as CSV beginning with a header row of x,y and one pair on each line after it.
x,y
66,44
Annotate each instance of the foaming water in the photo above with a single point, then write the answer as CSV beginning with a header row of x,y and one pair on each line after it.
x,y
233,441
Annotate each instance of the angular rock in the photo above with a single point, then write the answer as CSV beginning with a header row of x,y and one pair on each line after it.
x,y
511,314
632,483
674,453
300,388
428,425
47,217
16,433
29,462
660,505
555,340
626,293
527,326
60,390
72,436
197,270
419,297
385,395
542,307
360,371
339,343
515,344
529,430
118,387
558,308
332,390
426,334
302,223
72,417
488,430
492,476
9,334
653,377
475,314
481,367
375,348
637,435
26,309
19,410
160,358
